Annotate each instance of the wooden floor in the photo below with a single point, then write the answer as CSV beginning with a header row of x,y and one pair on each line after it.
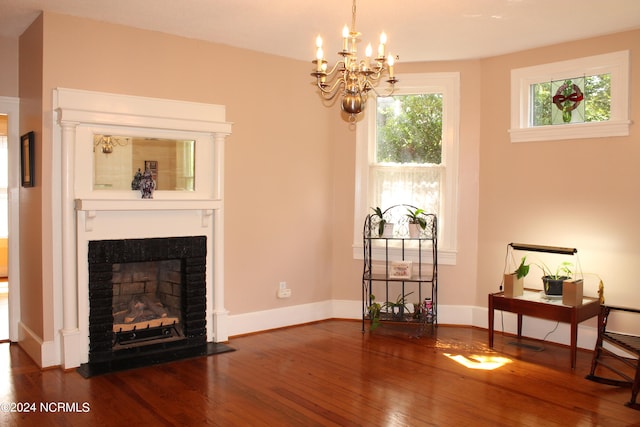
x,y
327,373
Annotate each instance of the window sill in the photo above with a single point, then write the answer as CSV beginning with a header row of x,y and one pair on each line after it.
x,y
571,131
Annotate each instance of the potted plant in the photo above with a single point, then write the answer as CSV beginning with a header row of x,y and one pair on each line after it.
x,y
553,280
385,229
514,282
374,312
398,307
417,222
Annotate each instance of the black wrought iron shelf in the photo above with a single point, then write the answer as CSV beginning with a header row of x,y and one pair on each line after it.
x,y
385,278
422,250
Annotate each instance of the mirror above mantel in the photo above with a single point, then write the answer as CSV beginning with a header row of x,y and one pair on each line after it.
x,y
117,159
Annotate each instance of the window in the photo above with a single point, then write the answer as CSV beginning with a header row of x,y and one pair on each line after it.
x,y
579,98
407,159
407,153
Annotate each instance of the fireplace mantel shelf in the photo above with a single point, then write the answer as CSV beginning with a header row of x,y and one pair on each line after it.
x,y
92,206
145,205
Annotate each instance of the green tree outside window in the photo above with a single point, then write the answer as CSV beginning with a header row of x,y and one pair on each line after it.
x,y
409,129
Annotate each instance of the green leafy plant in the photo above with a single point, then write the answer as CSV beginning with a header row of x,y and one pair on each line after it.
x,y
399,302
399,306
415,217
523,269
374,312
375,308
552,279
377,212
563,270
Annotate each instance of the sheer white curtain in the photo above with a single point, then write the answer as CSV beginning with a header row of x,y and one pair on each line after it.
x,y
415,185
4,177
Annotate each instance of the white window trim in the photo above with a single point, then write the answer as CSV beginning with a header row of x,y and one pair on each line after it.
x,y
616,63
449,85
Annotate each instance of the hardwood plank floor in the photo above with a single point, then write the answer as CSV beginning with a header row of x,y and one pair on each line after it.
x,y
323,374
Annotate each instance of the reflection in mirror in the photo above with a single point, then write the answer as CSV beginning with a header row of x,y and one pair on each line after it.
x,y
118,158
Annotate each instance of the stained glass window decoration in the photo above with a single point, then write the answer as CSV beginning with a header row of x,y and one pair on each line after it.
x,y
568,101
606,98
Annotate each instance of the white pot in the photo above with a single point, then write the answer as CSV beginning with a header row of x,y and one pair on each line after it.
x,y
388,230
414,230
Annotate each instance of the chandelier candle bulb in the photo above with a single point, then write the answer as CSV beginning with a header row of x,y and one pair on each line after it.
x,y
391,62
319,56
345,37
383,41
368,52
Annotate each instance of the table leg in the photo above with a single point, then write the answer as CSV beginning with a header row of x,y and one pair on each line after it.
x,y
519,325
490,325
574,341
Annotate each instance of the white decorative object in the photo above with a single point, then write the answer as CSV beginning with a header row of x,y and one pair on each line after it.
x,y
401,269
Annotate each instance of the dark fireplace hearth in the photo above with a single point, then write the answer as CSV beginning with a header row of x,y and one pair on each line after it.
x,y
147,303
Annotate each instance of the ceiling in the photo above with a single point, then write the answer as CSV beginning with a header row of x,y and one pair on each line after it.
x,y
418,30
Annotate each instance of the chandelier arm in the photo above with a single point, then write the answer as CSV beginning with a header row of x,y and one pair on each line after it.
x,y
332,74
375,76
389,91
329,93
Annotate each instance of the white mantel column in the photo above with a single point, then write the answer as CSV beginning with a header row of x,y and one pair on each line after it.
x,y
70,334
220,328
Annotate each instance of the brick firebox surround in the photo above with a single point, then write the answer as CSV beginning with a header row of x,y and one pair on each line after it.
x,y
103,256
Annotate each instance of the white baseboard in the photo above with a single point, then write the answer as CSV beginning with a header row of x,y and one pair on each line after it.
x,y
257,321
447,315
42,352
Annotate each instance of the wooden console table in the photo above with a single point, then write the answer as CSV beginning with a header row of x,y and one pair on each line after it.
x,y
532,304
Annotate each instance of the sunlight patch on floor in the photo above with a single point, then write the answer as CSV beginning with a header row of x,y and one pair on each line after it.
x,y
475,361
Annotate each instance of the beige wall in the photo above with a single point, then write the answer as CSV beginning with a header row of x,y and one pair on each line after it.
x,y
9,68
576,193
35,214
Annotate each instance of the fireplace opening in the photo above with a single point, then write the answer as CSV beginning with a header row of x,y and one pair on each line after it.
x,y
147,303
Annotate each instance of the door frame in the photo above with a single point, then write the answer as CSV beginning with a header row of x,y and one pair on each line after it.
x,y
11,107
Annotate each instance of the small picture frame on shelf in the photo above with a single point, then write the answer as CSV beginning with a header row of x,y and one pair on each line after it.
x,y
152,166
400,269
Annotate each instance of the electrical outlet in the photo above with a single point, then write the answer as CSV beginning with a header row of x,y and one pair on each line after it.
x,y
283,285
284,293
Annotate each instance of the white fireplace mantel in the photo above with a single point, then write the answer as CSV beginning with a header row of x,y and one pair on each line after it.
x,y
88,214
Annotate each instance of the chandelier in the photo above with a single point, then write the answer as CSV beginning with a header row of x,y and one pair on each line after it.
x,y
351,77
107,142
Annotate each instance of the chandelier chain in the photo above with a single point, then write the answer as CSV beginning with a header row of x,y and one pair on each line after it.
x,y
353,17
